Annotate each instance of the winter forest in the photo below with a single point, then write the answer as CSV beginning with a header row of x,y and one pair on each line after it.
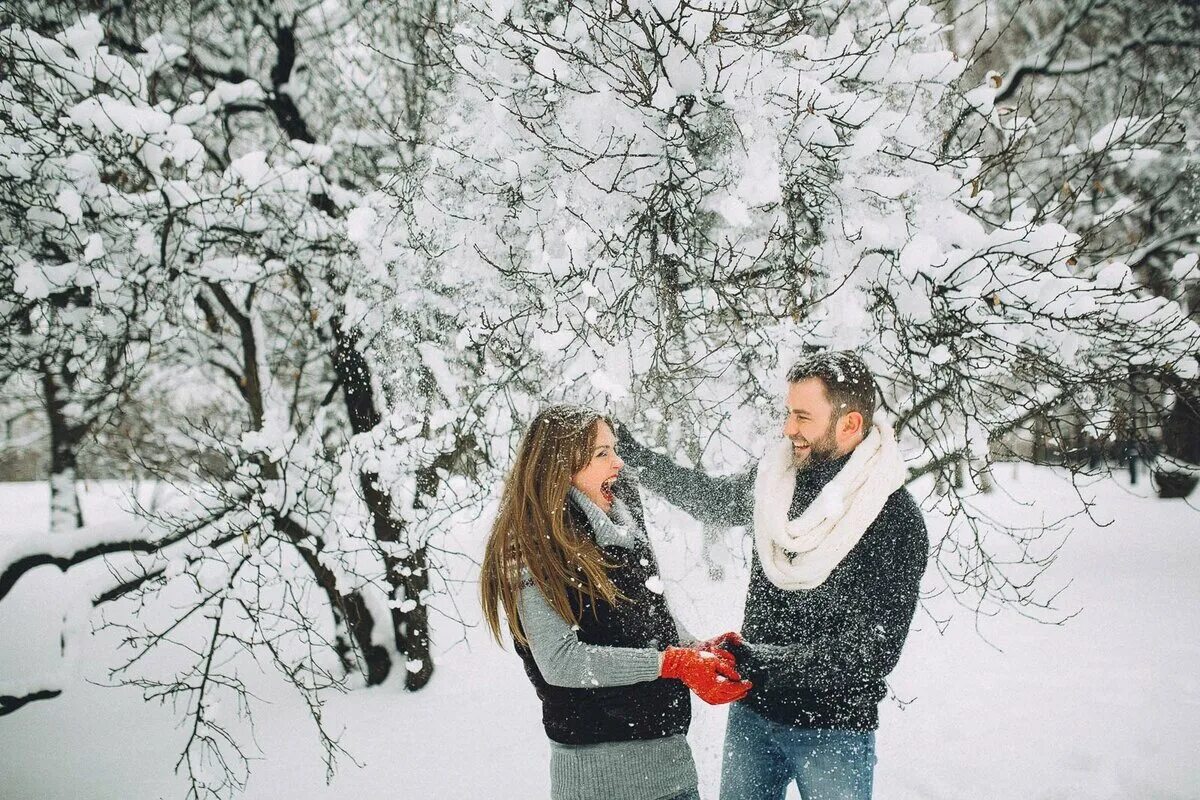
x,y
284,281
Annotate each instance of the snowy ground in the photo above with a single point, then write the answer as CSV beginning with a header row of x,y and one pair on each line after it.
x,y
1104,706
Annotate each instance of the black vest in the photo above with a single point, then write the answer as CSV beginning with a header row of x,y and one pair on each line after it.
x,y
646,710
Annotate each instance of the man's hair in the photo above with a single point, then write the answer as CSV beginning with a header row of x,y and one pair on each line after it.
x,y
849,385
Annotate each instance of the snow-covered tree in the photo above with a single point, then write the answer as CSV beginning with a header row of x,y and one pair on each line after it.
x,y
687,195
1106,96
74,305
322,399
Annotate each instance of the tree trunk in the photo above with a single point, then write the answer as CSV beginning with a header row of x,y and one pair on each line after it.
x,y
412,627
1181,441
1039,455
408,577
350,613
408,574
65,511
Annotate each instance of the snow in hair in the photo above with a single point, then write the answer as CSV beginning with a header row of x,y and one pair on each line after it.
x,y
848,380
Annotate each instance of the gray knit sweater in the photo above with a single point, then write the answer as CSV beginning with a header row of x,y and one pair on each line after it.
x,y
648,769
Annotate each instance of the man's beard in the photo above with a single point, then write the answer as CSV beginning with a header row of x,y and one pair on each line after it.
x,y
819,451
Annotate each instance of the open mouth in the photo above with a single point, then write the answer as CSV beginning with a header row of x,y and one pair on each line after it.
x,y
606,489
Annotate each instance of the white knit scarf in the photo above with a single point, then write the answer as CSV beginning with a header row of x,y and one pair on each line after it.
x,y
800,553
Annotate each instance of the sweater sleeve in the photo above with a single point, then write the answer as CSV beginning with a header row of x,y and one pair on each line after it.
x,y
879,607
723,500
566,661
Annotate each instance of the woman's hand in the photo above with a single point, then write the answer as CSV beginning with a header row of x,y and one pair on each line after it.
x,y
708,673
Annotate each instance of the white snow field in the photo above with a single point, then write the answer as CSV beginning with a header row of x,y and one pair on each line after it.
x,y
1104,706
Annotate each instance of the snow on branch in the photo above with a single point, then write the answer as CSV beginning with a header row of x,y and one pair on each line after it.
x,y
70,549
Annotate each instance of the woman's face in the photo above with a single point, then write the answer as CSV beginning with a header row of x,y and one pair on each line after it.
x,y
597,477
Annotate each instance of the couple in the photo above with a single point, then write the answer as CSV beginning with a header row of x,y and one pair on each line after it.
x,y
840,547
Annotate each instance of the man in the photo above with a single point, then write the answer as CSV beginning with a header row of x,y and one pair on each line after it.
x,y
840,547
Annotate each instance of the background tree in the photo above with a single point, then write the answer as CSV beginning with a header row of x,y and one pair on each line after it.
x,y
73,299
1107,94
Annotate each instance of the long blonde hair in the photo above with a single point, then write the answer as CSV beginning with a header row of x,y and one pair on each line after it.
x,y
531,530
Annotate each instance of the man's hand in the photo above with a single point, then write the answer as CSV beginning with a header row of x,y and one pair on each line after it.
x,y
710,674
759,661
722,642
750,661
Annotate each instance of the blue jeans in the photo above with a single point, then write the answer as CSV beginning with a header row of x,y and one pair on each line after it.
x,y
762,757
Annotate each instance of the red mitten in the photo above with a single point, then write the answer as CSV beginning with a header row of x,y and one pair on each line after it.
x,y
707,674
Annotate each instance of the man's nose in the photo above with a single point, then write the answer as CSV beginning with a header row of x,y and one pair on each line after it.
x,y
790,428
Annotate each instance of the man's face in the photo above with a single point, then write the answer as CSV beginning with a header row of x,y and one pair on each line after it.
x,y
810,424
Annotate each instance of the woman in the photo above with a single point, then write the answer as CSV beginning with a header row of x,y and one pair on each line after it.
x,y
569,562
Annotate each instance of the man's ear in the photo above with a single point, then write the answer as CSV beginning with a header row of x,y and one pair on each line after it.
x,y
852,422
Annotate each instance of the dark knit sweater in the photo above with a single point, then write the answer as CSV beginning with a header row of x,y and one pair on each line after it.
x,y
818,658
